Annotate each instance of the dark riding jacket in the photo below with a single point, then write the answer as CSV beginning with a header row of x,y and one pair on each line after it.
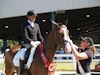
x,y
31,34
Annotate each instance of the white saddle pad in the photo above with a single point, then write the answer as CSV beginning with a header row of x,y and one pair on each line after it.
x,y
18,56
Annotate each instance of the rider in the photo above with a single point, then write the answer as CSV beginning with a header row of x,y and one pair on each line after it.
x,y
31,32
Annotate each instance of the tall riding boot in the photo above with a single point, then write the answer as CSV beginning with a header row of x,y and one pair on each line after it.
x,y
22,63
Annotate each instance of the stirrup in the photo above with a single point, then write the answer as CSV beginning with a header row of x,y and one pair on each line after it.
x,y
26,67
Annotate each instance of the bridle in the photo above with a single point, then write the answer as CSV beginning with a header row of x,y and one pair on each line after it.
x,y
58,41
57,38
65,41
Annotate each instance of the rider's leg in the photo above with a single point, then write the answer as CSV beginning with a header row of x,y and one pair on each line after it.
x,y
32,52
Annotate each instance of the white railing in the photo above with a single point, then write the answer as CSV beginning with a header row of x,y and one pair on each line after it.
x,y
71,57
64,58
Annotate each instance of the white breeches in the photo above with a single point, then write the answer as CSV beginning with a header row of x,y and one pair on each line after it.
x,y
32,52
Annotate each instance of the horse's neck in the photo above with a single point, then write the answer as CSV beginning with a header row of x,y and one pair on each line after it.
x,y
51,45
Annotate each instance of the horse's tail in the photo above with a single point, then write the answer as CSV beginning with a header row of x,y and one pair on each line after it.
x,y
6,51
9,55
9,68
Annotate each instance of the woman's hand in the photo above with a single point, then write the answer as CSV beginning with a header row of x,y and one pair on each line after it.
x,y
79,56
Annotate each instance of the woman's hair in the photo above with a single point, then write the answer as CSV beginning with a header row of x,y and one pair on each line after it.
x,y
93,48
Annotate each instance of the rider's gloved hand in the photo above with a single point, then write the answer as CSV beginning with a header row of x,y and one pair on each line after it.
x,y
32,43
37,42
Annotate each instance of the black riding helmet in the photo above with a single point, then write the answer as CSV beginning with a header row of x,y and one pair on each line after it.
x,y
88,39
31,13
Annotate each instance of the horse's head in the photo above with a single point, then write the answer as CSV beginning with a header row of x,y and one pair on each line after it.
x,y
62,34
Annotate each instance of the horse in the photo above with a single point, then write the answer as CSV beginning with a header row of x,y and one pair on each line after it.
x,y
54,41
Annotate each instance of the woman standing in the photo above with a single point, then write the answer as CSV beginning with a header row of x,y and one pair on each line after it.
x,y
84,55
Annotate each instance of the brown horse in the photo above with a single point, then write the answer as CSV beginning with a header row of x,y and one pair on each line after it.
x,y
52,42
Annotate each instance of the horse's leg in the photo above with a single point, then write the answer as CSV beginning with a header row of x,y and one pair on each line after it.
x,y
9,68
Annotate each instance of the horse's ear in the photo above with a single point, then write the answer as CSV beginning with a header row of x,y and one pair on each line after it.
x,y
66,22
54,24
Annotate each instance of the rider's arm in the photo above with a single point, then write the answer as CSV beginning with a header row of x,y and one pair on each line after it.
x,y
39,34
26,36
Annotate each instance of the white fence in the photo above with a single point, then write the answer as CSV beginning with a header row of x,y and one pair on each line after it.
x,y
71,58
64,58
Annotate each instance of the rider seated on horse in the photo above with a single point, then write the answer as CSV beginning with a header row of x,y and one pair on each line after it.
x,y
31,31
